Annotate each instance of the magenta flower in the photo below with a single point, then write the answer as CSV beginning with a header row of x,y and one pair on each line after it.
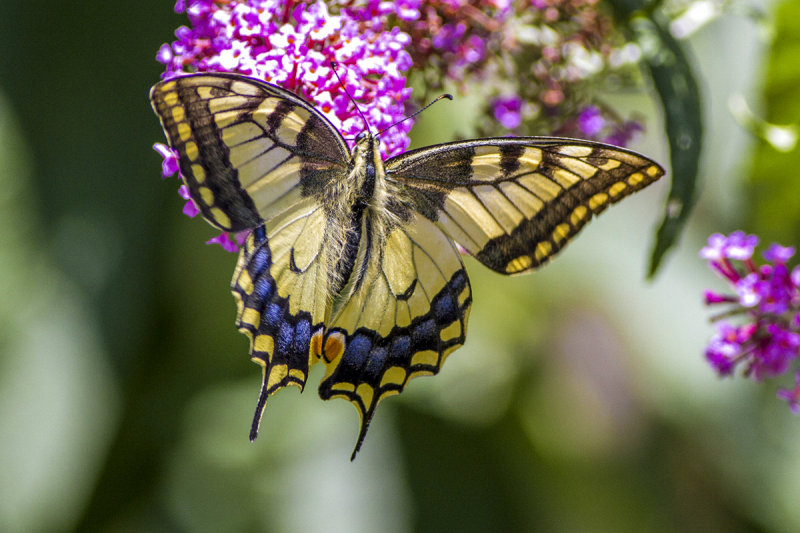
x,y
623,133
779,254
591,121
508,111
594,123
228,243
740,246
725,347
189,209
768,297
292,44
792,396
169,166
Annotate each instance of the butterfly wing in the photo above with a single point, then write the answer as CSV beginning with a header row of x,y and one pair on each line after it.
x,y
407,315
515,202
247,149
282,303
251,152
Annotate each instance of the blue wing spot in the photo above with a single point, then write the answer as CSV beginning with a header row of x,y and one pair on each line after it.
x,y
400,350
375,363
459,281
444,309
356,353
273,315
259,262
367,354
283,344
425,334
302,337
264,289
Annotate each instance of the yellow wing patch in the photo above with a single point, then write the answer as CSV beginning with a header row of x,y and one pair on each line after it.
x,y
247,150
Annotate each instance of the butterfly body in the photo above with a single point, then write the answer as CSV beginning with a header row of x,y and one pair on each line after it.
x,y
351,259
358,218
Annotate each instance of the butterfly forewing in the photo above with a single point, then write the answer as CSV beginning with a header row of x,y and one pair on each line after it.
x,y
247,150
514,202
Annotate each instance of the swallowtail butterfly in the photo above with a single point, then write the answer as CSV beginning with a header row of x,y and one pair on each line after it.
x,y
351,260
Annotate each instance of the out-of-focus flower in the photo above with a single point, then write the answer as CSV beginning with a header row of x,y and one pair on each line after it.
x,y
547,53
228,243
189,209
591,121
792,396
767,296
508,111
622,133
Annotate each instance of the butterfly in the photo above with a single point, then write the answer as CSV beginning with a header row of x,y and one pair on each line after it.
x,y
351,260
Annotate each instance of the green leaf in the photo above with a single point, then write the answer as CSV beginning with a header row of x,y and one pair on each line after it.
x,y
774,196
677,89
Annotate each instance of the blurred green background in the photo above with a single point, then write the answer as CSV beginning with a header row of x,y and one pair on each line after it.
x,y
580,402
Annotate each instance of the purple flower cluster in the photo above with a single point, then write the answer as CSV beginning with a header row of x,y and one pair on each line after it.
x,y
455,38
769,296
292,43
533,60
596,124
530,59
507,111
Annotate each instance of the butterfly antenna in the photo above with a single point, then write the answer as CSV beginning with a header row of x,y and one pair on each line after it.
x,y
334,64
440,97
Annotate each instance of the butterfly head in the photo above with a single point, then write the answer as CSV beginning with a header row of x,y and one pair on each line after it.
x,y
366,138
366,153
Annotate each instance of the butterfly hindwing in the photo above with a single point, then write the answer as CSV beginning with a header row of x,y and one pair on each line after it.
x,y
408,314
515,202
281,309
247,150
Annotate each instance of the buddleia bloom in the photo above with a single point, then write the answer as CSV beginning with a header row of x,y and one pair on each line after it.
x,y
765,342
294,45
532,61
